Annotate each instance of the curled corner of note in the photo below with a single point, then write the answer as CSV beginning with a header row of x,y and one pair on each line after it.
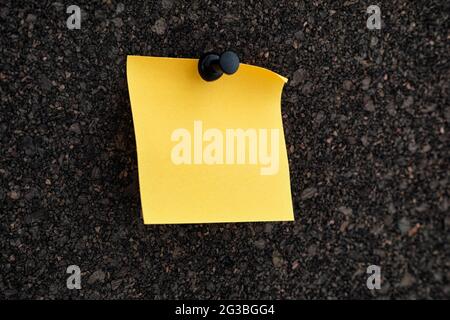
x,y
273,73
284,79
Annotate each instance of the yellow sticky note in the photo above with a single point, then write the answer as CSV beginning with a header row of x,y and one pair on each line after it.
x,y
208,151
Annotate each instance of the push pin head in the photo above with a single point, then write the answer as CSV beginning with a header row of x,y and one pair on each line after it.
x,y
211,66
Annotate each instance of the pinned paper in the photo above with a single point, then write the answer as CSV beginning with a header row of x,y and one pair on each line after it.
x,y
208,151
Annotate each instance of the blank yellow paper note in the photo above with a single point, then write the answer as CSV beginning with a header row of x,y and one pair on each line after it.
x,y
208,151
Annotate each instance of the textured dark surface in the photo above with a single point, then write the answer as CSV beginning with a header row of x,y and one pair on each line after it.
x,y
366,117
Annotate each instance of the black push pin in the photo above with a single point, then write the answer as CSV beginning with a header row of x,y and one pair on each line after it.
x,y
211,66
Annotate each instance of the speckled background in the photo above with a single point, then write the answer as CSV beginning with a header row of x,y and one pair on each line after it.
x,y
366,116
